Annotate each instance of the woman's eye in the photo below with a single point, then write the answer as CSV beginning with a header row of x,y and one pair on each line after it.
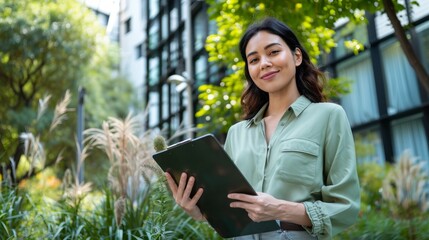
x,y
274,52
253,60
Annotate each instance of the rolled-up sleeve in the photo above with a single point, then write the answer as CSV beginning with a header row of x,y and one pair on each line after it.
x,y
340,203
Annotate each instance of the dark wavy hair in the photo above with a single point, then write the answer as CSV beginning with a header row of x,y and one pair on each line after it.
x,y
308,77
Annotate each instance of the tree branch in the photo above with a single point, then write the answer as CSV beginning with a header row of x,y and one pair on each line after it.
x,y
409,52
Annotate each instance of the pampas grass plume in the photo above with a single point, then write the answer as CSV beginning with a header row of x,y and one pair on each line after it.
x,y
119,210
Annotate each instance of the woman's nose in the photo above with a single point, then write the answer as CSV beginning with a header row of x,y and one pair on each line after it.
x,y
265,62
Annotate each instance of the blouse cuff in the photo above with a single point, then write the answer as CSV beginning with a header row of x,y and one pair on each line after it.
x,y
317,217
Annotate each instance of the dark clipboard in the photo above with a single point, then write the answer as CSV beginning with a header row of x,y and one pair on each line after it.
x,y
214,171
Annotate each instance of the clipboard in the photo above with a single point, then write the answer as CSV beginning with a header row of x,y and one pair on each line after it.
x,y
214,171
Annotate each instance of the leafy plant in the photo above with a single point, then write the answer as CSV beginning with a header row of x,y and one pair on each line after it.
x,y
132,167
70,219
11,213
136,205
33,147
169,221
379,225
404,187
394,204
404,192
371,176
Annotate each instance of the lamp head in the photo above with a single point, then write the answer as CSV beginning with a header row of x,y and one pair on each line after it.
x,y
180,82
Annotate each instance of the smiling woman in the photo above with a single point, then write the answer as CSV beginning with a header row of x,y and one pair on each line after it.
x,y
295,150
270,58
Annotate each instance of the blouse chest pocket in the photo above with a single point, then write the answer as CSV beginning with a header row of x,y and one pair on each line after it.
x,y
298,161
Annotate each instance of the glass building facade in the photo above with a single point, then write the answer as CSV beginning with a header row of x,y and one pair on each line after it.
x,y
167,53
387,106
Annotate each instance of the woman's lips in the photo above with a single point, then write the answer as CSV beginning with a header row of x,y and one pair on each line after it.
x,y
269,75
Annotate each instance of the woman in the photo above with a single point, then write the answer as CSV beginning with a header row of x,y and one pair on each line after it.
x,y
295,150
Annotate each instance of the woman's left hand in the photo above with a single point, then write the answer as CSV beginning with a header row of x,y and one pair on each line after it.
x,y
265,207
262,207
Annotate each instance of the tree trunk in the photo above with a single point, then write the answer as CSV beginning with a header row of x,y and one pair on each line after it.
x,y
409,52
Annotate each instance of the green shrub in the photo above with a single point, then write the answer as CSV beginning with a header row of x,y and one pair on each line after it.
x,y
371,177
11,213
394,204
375,225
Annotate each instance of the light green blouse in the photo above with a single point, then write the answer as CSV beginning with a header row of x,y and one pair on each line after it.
x,y
310,159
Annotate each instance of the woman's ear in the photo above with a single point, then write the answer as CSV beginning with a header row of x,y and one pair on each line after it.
x,y
297,56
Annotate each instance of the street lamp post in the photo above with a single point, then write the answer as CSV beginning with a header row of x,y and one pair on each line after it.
x,y
182,83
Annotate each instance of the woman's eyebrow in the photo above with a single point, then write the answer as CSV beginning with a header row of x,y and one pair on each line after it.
x,y
266,47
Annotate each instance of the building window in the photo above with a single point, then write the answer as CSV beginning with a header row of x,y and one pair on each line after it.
x,y
347,33
153,109
214,75
165,101
175,99
164,63
128,25
363,93
143,8
153,8
201,70
139,51
164,26
184,13
184,44
401,81
175,123
423,33
341,49
174,19
200,31
369,146
174,52
153,70
153,35
102,18
409,134
212,27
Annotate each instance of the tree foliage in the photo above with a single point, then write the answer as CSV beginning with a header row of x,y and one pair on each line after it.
x,y
43,47
313,22
48,47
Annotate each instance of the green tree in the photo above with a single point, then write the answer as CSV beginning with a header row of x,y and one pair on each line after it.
x,y
313,22
50,46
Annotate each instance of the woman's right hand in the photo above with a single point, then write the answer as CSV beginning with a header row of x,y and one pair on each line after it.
x,y
182,194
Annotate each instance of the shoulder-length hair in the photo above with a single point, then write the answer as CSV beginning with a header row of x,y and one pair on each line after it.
x,y
309,78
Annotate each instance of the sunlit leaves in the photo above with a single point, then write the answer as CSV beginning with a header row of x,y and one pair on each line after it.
x,y
44,45
221,103
354,46
336,87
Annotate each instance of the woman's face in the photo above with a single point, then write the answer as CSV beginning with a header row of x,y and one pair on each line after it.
x,y
272,64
